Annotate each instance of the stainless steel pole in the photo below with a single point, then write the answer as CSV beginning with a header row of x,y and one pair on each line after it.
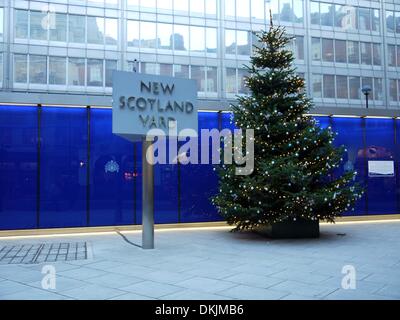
x,y
147,196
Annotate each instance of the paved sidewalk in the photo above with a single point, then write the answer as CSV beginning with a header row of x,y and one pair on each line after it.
x,y
216,264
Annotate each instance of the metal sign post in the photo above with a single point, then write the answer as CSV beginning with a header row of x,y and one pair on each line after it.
x,y
147,196
141,103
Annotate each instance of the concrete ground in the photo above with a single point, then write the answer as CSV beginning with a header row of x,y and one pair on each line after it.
x,y
213,263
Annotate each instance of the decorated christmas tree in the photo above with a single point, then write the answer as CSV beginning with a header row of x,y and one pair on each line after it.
x,y
296,165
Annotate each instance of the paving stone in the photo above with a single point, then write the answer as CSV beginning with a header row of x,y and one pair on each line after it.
x,y
92,292
251,293
152,289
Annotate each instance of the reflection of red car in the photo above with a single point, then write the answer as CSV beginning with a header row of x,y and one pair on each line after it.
x,y
375,152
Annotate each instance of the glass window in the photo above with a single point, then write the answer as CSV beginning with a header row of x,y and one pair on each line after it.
x,y
58,27
298,11
354,86
21,24
341,87
195,205
181,71
364,19
349,19
242,75
230,8
148,34
299,44
111,191
212,79
18,167
397,22
164,5
286,10
316,49
211,7
133,33
198,74
94,72
340,14
20,68
166,69
243,43
393,90
181,37
378,89
38,25
257,9
377,58
133,3
164,33
327,50
1,22
243,9
315,17
329,86
95,28
197,39
391,55
340,51
327,10
1,68
230,42
111,31
197,7
211,40
317,85
37,69
353,52
375,20
57,70
367,81
149,5
390,21
273,7
77,28
181,6
63,167
111,65
366,54
76,71
398,56
230,80
149,68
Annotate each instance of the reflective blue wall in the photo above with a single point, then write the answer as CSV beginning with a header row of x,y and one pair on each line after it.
x,y
62,167
18,167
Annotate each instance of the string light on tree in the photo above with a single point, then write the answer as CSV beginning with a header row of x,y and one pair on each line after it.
x,y
293,156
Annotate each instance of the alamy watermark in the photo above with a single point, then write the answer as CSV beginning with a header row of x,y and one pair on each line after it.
x,y
237,147
49,278
349,280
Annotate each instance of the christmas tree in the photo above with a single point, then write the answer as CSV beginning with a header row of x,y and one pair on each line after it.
x,y
294,159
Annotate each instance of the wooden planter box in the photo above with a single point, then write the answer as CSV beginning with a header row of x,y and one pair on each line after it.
x,y
289,229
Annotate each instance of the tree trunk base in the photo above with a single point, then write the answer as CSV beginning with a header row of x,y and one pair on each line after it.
x,y
289,229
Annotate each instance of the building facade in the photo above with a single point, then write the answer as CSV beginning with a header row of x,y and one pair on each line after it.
x,y
61,166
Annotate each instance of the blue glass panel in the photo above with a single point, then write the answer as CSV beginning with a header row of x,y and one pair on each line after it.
x,y
165,190
380,145
138,182
323,122
63,167
227,121
18,167
350,134
111,173
199,182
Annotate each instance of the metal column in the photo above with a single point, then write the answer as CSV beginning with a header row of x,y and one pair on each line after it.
x,y
147,196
